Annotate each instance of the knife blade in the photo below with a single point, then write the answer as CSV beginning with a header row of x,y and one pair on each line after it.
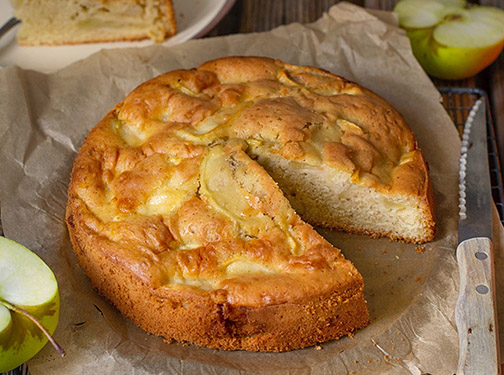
x,y
475,313
8,25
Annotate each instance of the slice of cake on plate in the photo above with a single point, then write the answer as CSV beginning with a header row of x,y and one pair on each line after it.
x,y
56,22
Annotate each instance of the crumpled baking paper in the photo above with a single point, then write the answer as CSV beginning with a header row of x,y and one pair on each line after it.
x,y
411,290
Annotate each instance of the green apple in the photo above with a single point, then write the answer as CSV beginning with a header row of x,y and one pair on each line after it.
x,y
450,38
29,304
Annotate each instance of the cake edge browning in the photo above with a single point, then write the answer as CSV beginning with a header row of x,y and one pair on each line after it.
x,y
207,319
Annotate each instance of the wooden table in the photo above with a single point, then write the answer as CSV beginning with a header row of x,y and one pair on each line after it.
x,y
248,16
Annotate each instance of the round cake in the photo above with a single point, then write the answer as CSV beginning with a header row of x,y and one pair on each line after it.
x,y
191,202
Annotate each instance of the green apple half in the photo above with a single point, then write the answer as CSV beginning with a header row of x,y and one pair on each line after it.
x,y
451,39
28,298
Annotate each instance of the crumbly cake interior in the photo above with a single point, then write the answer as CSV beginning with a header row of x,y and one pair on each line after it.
x,y
175,194
331,199
54,22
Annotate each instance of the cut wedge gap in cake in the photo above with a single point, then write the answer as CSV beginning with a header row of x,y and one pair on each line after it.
x,y
334,200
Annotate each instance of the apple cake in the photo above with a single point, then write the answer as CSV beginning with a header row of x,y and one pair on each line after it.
x,y
184,202
54,22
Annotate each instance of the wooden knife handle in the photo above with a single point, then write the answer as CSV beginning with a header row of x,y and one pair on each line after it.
x,y
475,313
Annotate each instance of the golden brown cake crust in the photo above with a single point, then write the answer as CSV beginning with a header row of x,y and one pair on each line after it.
x,y
176,223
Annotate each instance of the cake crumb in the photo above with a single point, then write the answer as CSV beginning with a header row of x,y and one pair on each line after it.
x,y
420,249
318,347
418,278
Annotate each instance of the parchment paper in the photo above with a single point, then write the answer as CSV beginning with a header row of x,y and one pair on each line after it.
x,y
411,291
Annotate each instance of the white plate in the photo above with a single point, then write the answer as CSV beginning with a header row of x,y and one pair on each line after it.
x,y
194,19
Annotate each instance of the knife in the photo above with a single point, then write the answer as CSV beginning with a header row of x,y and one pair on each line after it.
x,y
475,312
8,25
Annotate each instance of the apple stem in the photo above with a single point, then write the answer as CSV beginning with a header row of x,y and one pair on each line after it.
x,y
58,348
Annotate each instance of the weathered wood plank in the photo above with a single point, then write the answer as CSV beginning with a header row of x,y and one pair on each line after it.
x,y
380,4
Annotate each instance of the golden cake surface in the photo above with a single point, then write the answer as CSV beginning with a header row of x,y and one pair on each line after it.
x,y
180,202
